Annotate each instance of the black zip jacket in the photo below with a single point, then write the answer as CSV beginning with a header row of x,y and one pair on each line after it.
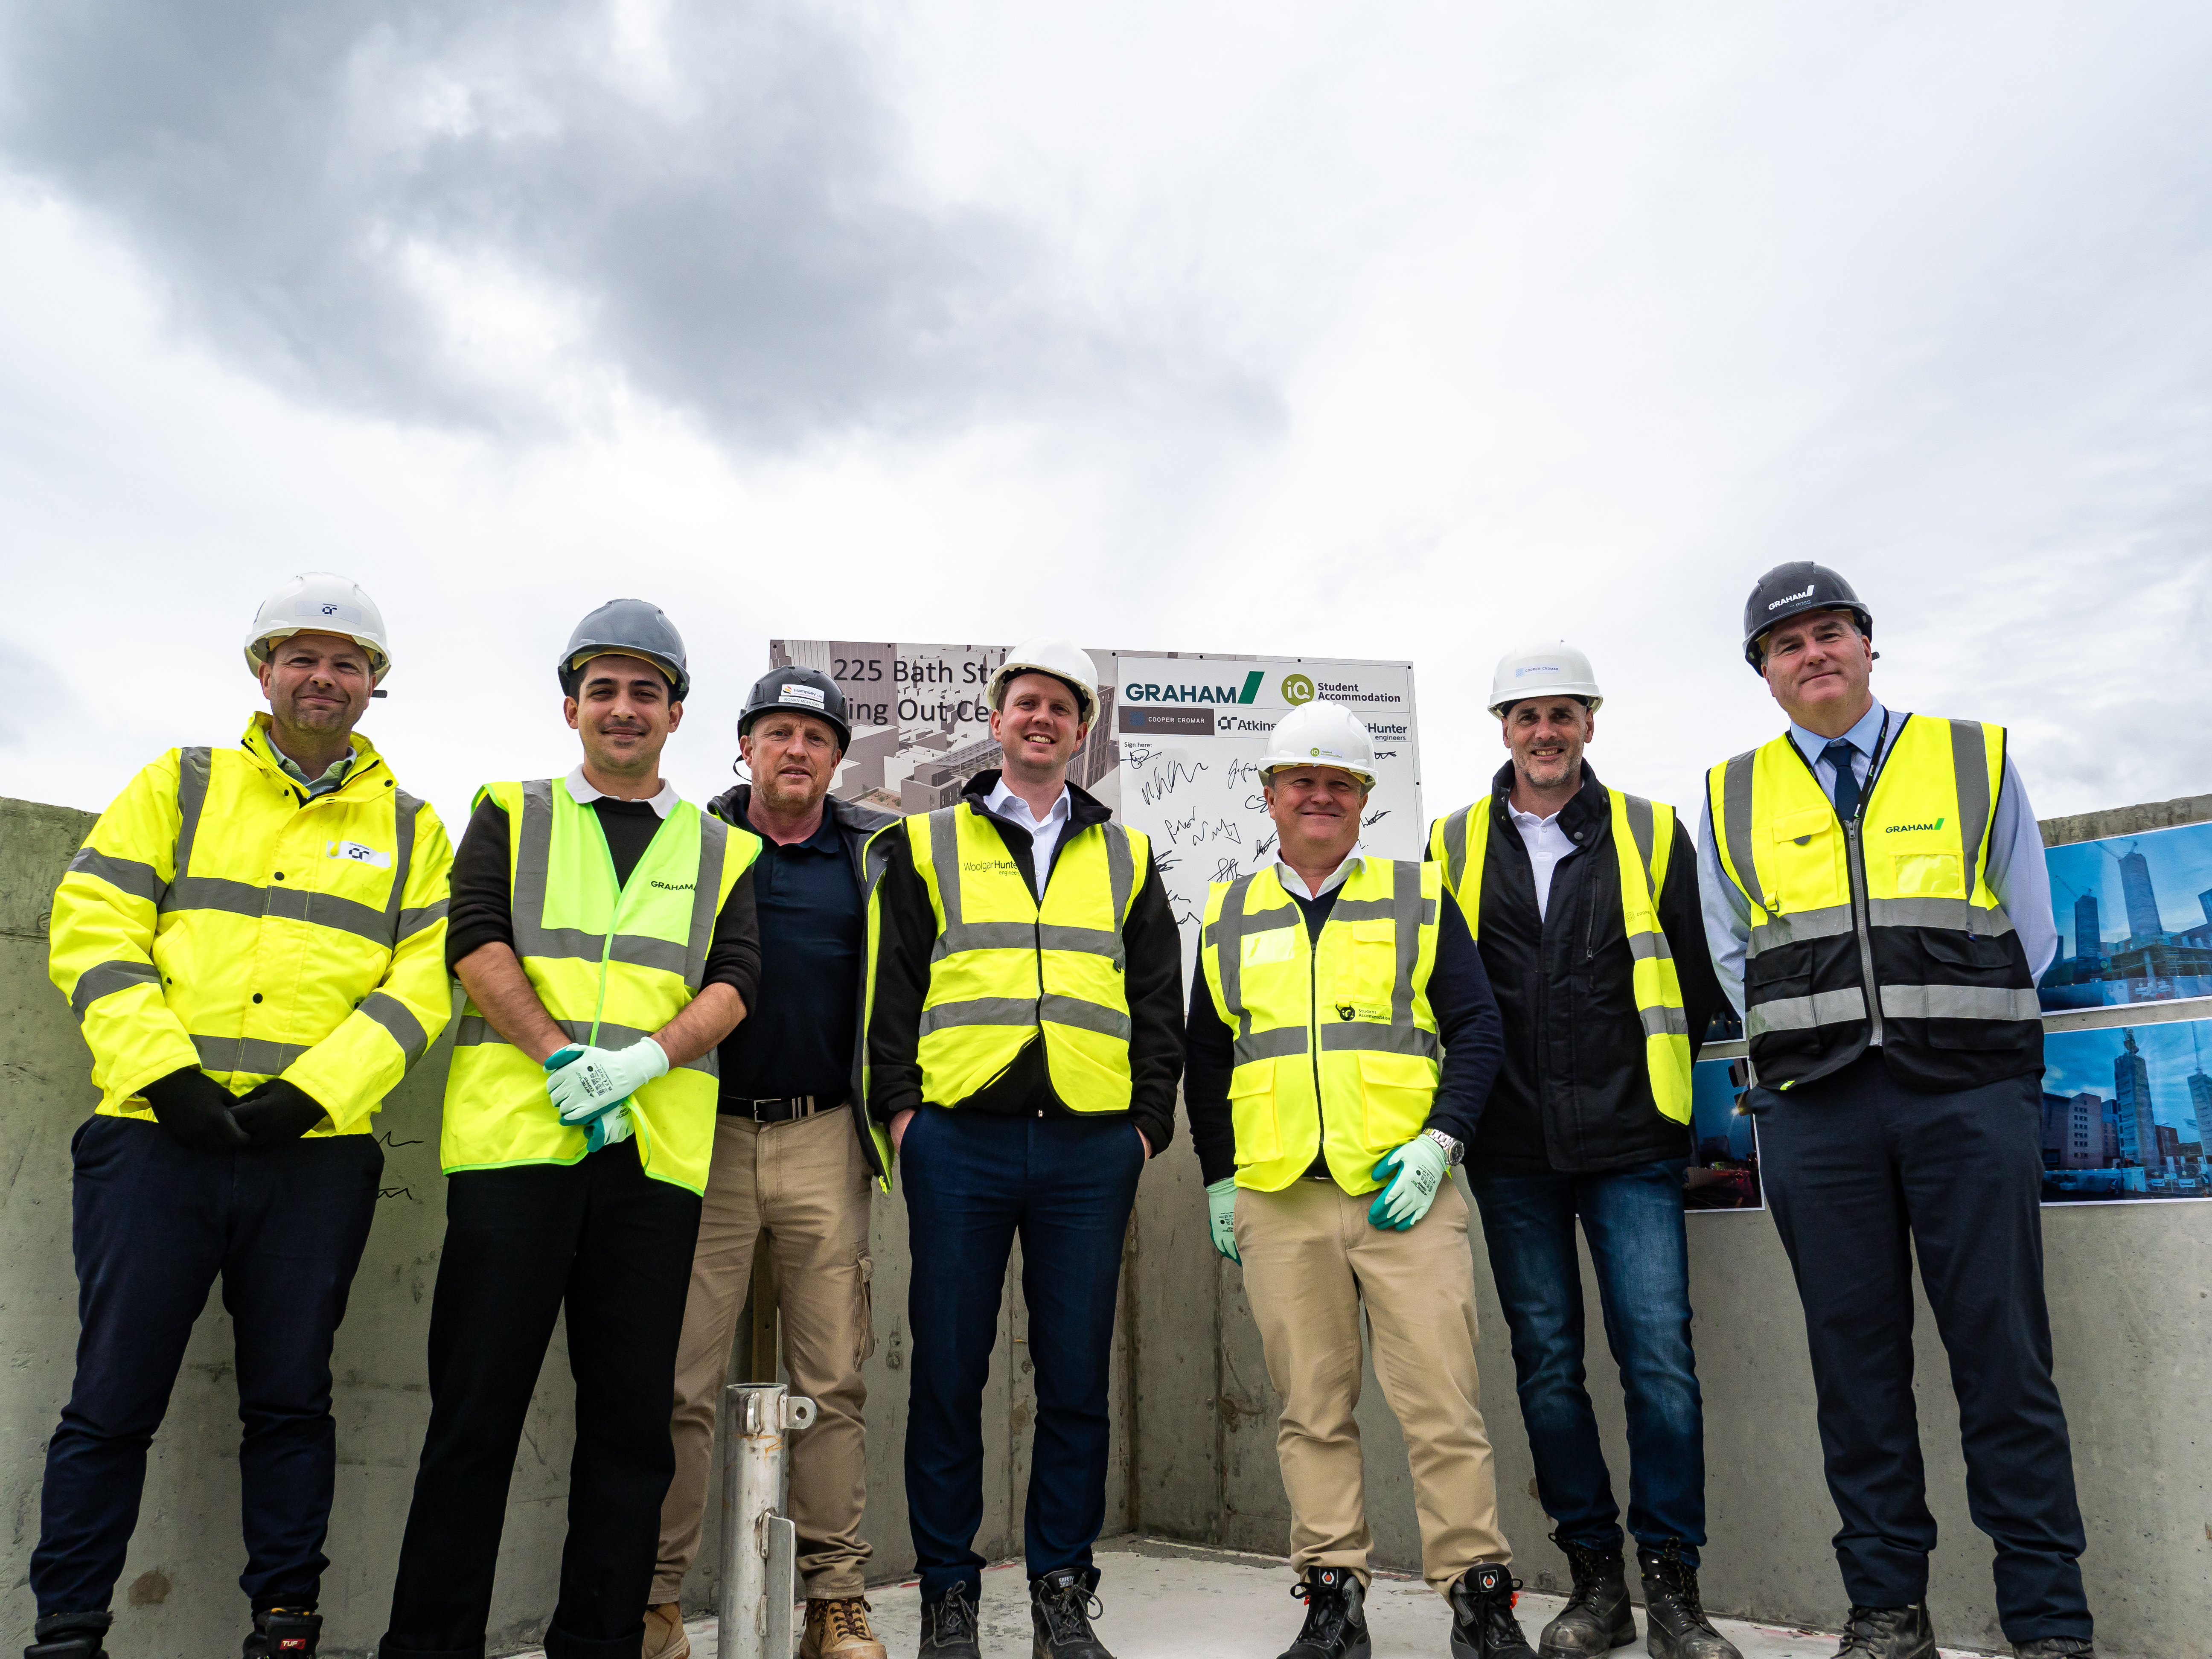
x,y
854,825
1574,1094
908,930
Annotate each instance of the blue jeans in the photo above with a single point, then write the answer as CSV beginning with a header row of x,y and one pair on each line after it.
x,y
1633,1221
153,1226
1065,1185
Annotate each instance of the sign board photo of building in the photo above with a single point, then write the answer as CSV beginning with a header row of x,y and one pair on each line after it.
x,y
2135,919
2127,1113
1723,1172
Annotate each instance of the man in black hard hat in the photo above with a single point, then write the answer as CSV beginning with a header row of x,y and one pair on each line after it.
x,y
792,1161
1876,900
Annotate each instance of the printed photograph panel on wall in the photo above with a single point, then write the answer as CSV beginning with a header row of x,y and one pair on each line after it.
x,y
2135,919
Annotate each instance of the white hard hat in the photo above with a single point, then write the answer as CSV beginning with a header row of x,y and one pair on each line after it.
x,y
1553,668
320,603
1321,733
1063,660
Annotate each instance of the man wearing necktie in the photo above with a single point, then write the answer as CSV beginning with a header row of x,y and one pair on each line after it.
x,y
1875,898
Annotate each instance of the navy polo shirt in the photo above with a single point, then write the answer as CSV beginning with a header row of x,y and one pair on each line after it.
x,y
797,1037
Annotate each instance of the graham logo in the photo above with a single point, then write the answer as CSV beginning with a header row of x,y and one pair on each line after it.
x,y
1791,598
1297,688
675,886
1890,829
1192,692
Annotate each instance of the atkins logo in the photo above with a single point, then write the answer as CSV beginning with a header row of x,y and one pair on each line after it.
x,y
1891,830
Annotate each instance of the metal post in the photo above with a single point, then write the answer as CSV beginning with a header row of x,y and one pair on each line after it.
x,y
759,1546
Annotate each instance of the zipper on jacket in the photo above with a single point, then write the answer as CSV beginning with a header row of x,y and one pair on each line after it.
x,y
1860,925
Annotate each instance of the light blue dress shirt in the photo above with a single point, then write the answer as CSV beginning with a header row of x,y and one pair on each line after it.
x,y
2017,873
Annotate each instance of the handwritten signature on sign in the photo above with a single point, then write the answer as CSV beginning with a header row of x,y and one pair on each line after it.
x,y
1159,787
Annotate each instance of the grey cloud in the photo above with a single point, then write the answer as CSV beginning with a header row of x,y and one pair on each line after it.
x,y
720,226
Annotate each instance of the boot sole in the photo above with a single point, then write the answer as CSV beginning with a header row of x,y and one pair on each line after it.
x,y
1621,1636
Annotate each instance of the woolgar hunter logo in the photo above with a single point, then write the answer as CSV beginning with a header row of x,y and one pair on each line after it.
x,y
1890,829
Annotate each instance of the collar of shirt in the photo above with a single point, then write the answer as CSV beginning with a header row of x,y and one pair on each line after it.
x,y
1294,883
333,774
1006,803
1861,736
662,803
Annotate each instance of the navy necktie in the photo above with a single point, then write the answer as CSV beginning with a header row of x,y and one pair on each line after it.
x,y
1838,755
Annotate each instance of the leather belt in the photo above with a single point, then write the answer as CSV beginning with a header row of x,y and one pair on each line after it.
x,y
782,1108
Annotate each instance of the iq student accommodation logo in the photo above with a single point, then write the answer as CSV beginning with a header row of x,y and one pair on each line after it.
x,y
1297,688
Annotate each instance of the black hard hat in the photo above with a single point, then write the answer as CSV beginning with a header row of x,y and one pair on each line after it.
x,y
1791,590
629,628
796,691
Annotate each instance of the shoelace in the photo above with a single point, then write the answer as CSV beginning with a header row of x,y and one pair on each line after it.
x,y
953,1616
1068,1610
1582,1564
1493,1612
1327,1612
843,1618
1861,1641
1682,1579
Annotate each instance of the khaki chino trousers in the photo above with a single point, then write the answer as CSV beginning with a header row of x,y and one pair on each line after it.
x,y
802,1184
1312,1262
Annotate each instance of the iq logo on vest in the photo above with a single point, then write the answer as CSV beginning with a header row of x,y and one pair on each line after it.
x,y
1297,688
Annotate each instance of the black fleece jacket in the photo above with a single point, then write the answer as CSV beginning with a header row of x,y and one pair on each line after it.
x,y
906,930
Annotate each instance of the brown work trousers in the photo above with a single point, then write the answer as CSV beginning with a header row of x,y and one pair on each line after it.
x,y
804,1184
1312,1260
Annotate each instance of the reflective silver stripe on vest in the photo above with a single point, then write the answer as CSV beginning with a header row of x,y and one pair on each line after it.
x,y
1225,935
1662,1021
472,1031
533,861
1121,877
1994,1002
1769,930
1026,936
239,898
105,979
1380,909
1955,915
1641,828
1407,1039
401,1025
958,935
1052,1009
1649,947
1457,832
1736,804
706,897
944,859
1803,1013
412,923
193,766
252,1054
1407,906
125,875
1969,765
1284,1042
404,809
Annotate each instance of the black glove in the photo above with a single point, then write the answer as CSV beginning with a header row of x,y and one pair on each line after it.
x,y
276,1111
194,1110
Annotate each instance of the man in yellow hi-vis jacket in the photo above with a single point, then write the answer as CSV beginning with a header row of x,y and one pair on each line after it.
x,y
254,940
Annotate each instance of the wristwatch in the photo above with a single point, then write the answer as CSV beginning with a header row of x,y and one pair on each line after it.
x,y
1454,1151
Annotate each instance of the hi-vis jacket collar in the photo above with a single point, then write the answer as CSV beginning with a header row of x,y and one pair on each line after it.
x,y
257,742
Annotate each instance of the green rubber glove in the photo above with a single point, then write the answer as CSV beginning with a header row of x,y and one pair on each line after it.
x,y
1421,1169
587,1083
1221,1216
603,1127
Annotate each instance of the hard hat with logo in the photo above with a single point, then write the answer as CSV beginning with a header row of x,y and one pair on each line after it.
x,y
1791,590
627,627
796,691
1321,733
1552,669
318,602
1063,660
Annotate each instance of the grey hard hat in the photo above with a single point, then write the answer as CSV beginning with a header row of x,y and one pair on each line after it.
x,y
630,628
796,691
1791,590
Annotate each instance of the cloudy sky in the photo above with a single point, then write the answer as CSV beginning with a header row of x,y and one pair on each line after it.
x,y
1301,328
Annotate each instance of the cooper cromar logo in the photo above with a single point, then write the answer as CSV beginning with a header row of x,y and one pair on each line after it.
x,y
1892,828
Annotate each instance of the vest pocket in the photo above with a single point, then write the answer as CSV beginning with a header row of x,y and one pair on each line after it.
x,y
1374,965
1934,875
1398,1090
1252,1112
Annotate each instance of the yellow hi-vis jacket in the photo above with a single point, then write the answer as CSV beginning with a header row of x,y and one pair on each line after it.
x,y
1899,896
216,917
1338,1037
612,963
1642,840
1006,967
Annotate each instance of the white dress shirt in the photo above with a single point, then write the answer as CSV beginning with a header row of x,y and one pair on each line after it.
x,y
1294,883
583,794
1044,835
1547,843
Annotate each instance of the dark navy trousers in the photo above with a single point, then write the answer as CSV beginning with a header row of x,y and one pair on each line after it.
x,y
1633,1220
1066,1187
1862,1176
153,1226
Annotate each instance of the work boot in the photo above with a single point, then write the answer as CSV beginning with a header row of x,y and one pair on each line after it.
x,y
665,1635
837,1628
1336,1617
1888,1633
69,1636
1674,1622
1483,1624
1062,1608
1597,1617
2056,1647
948,1626
284,1633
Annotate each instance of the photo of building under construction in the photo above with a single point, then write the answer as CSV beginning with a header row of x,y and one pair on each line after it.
x,y
2127,1113
1723,1172
2135,919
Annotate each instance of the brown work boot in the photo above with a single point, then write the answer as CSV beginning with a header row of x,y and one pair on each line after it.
x,y
839,1629
665,1638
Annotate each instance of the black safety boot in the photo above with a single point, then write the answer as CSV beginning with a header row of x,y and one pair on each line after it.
x,y
1062,1608
1888,1633
948,1626
1597,1617
284,1633
1483,1624
1336,1617
2056,1647
1674,1622
69,1636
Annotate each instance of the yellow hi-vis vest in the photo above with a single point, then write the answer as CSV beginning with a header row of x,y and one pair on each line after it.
x,y
1899,897
612,963
1006,967
1335,1045
1642,840
215,918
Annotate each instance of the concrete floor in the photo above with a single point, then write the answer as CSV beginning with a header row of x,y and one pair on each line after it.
x,y
1173,1601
